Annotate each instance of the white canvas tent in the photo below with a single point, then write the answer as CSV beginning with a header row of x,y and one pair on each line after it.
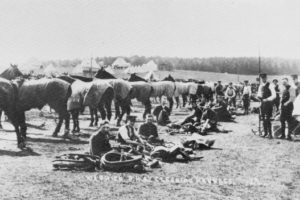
x,y
150,66
120,63
109,70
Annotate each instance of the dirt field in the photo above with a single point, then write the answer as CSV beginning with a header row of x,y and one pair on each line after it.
x,y
242,166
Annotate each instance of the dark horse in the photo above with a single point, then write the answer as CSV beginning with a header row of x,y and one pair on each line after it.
x,y
37,93
141,90
12,72
8,101
170,99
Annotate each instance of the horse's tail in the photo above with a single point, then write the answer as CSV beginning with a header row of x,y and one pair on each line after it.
x,y
69,91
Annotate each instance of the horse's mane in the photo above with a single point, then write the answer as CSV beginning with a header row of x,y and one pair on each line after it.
x,y
169,78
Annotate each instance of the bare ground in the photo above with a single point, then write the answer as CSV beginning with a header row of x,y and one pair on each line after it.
x,y
255,168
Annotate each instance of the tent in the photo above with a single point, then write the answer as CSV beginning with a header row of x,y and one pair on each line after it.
x,y
150,76
11,73
150,66
120,63
110,70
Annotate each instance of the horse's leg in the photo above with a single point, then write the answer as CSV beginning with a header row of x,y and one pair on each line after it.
x,y
177,101
184,100
66,117
92,116
0,119
102,111
58,126
77,121
123,110
147,108
170,99
15,122
117,108
74,120
96,117
22,123
108,109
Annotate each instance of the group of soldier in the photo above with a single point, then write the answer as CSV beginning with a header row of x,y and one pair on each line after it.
x,y
270,94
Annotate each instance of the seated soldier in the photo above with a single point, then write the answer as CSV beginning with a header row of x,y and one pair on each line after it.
x,y
221,110
209,117
127,134
195,117
148,130
99,141
159,108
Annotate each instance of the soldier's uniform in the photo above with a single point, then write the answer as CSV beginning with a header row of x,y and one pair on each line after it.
x,y
267,94
286,112
277,99
246,97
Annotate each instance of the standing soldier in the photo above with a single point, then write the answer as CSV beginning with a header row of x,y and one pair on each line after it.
x,y
219,89
266,93
295,84
286,110
277,99
246,97
230,95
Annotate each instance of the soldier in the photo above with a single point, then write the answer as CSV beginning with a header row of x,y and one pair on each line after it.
x,y
277,99
286,110
219,89
266,93
246,97
295,85
230,95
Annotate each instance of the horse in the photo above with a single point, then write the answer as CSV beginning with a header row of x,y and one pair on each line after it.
x,y
164,88
141,91
8,101
99,96
11,73
184,90
75,103
37,93
122,90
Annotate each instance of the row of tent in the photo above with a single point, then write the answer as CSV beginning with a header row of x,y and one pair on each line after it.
x,y
13,71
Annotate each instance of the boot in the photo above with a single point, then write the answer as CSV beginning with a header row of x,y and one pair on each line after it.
x,y
289,137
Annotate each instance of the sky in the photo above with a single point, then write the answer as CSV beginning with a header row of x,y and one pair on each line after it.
x,y
67,29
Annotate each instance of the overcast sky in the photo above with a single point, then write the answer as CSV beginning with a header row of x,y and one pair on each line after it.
x,y
202,28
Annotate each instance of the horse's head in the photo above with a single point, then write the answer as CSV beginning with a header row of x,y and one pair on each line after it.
x,y
169,78
103,74
134,78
